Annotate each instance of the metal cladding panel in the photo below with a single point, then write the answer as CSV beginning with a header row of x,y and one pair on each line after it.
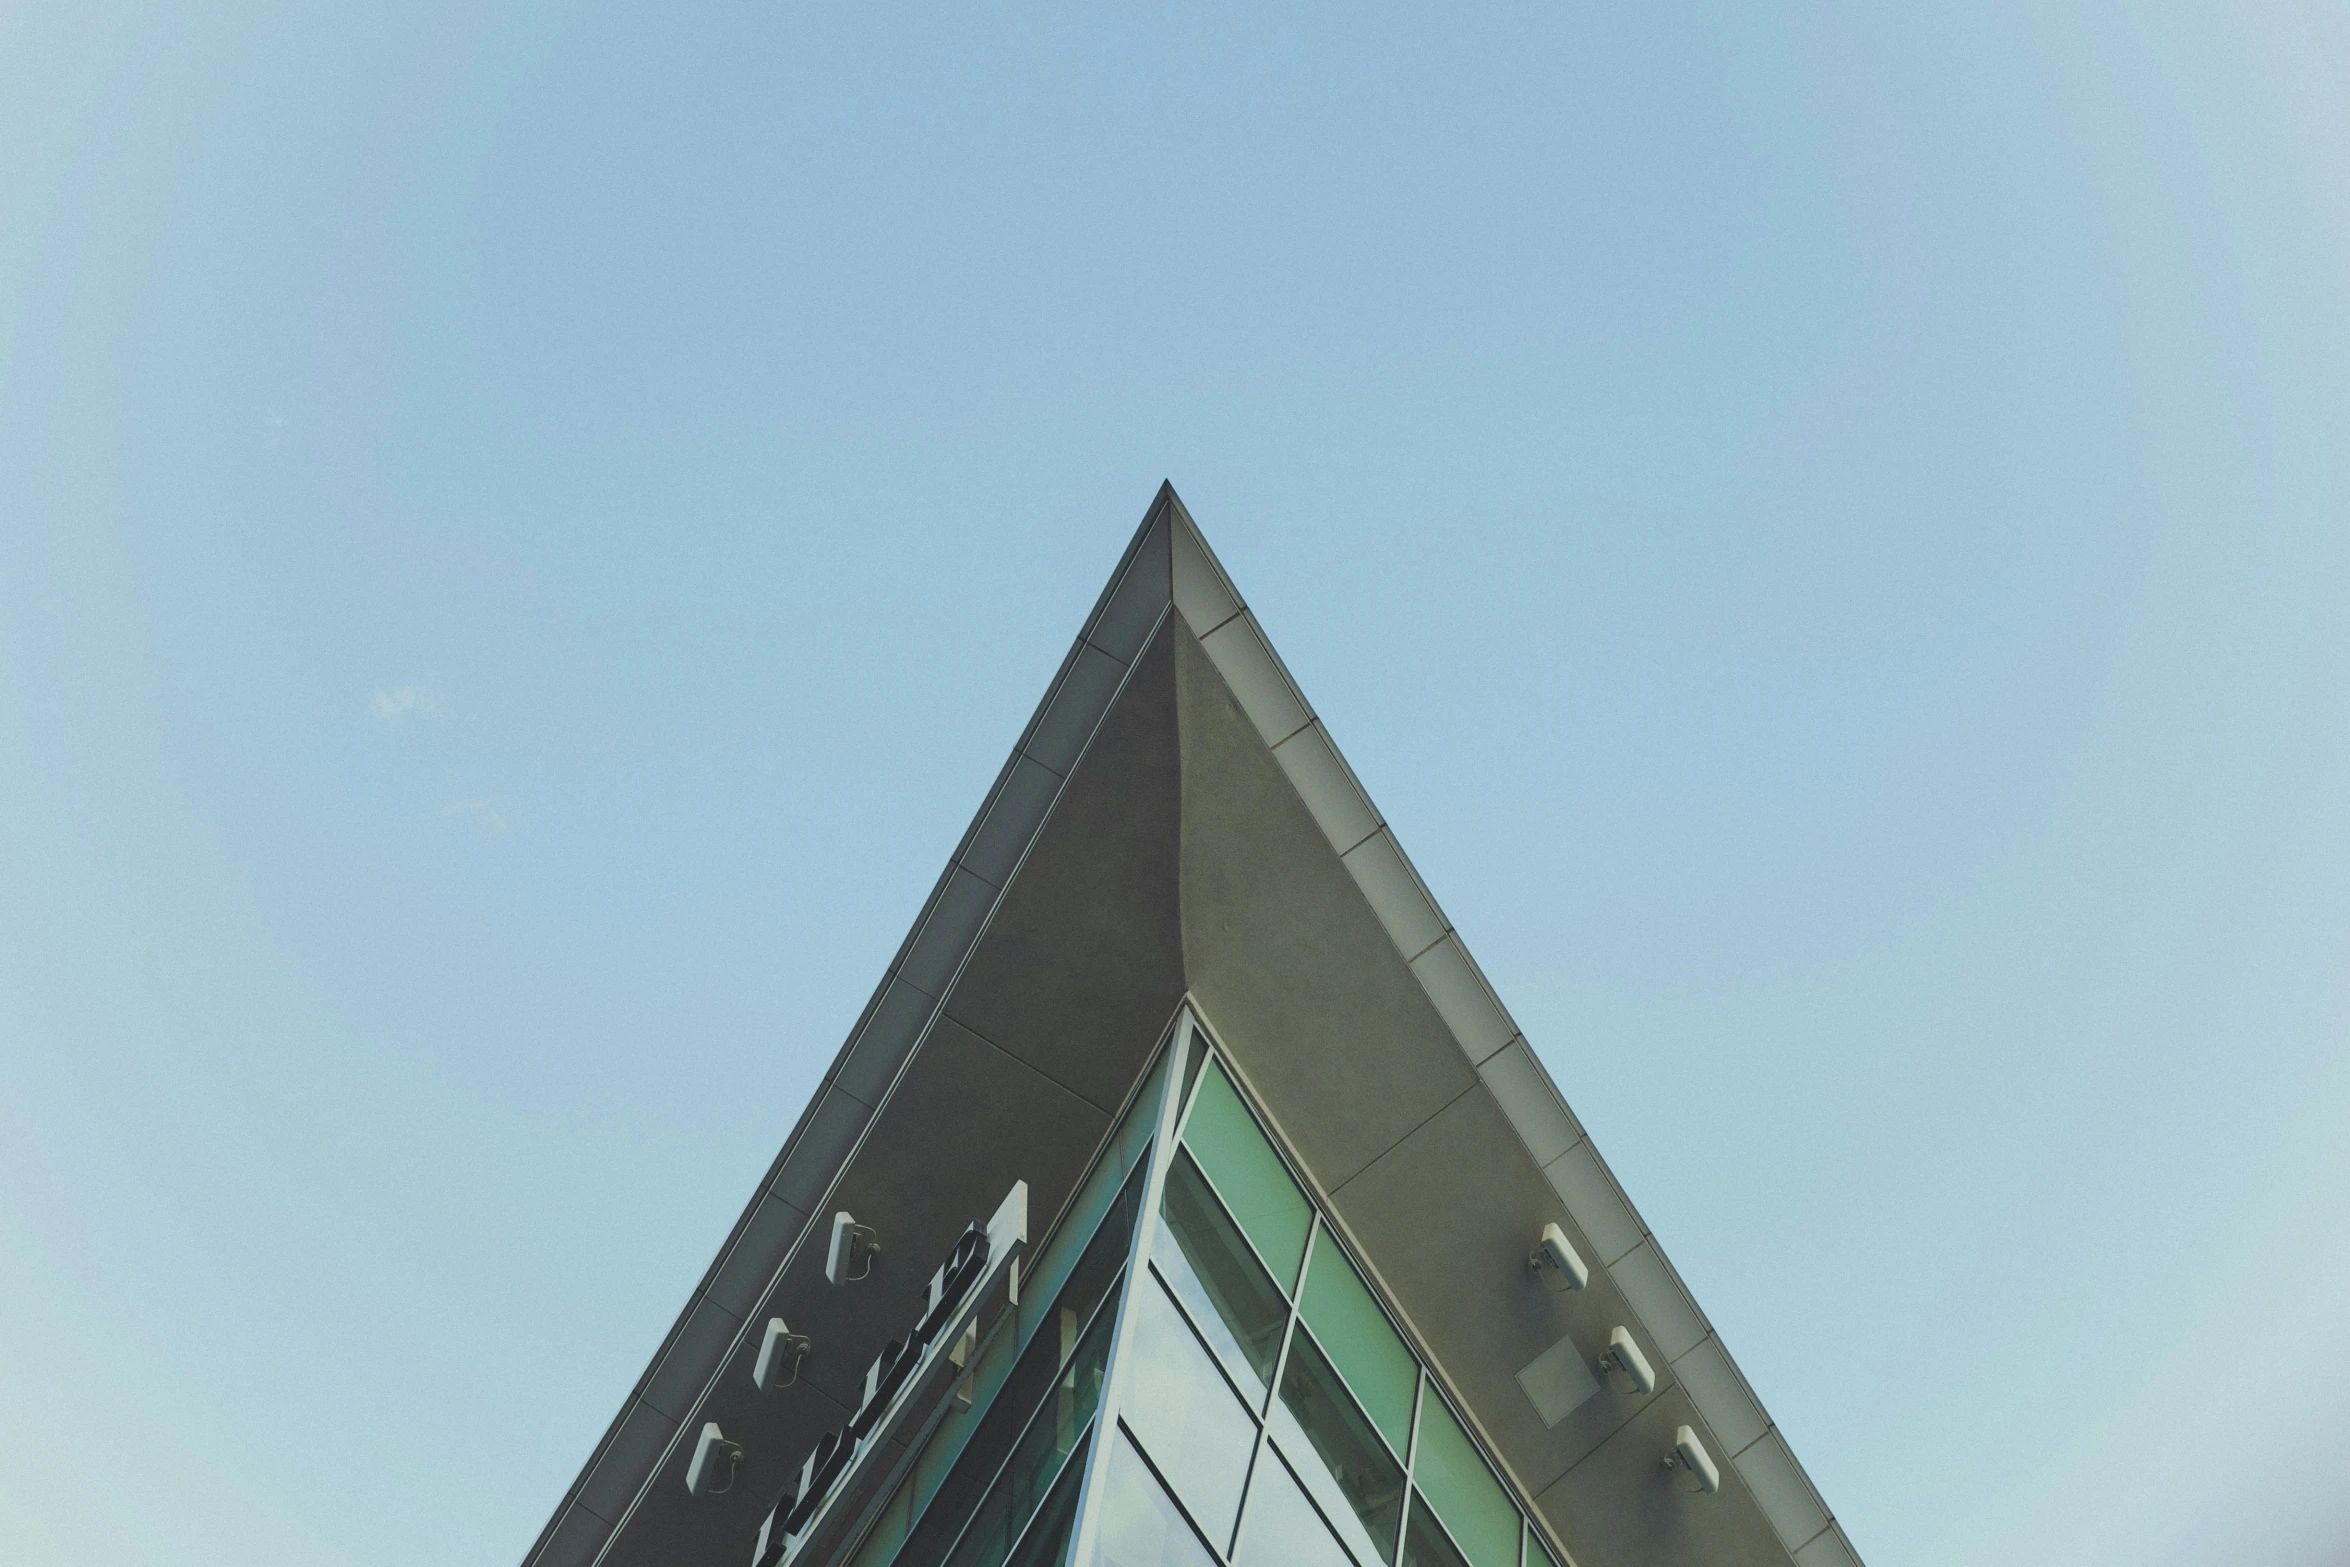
x,y
1290,962
1148,841
1071,875
1373,1043
1083,964
1045,1031
1623,1505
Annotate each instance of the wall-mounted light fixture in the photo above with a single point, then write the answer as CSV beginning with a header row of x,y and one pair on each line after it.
x,y
1691,1465
780,1355
1558,1254
1626,1369
715,1461
850,1256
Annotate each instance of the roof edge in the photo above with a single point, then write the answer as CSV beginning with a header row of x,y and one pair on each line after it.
x,y
908,999
1228,632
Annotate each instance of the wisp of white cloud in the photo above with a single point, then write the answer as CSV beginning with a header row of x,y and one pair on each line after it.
x,y
397,702
481,813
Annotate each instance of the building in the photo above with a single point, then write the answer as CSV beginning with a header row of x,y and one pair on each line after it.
x,y
1185,1196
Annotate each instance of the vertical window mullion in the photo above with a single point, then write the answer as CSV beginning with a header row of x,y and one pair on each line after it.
x,y
1403,1522
1105,1418
1273,1393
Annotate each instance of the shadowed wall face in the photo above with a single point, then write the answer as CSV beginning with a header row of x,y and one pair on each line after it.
x,y
1373,1096
1043,1035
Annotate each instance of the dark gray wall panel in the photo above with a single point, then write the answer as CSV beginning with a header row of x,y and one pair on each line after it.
x,y
642,1431
1053,1018
757,1252
1290,964
576,1537
963,1123
1083,963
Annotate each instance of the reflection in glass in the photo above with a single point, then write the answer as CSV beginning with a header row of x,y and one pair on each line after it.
x,y
1140,1524
1092,1282
1450,1472
1184,1413
1424,1544
1282,1528
1047,1540
1250,1176
1191,1066
1212,1271
1051,1437
1361,1342
1330,1442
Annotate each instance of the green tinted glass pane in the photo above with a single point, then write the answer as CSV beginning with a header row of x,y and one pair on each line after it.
x,y
1424,1544
1451,1472
1249,1175
1537,1555
1196,1058
1220,1282
1360,1341
1337,1454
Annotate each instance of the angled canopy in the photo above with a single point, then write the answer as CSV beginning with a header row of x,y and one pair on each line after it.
x,y
1176,826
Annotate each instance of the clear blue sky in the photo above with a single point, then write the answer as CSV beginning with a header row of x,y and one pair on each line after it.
x,y
525,531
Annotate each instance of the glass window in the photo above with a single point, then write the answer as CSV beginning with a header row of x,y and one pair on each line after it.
x,y
888,1531
1282,1528
1052,1435
1360,1341
1141,1525
1191,1065
1250,1176
956,1466
1185,1414
1538,1554
1047,1540
1453,1476
1212,1271
1042,1294
1424,1544
1332,1446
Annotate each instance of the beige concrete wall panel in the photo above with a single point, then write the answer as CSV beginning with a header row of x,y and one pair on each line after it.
x,y
1782,1489
1246,661
1285,954
1447,1219
1203,596
1328,787
1470,1008
1532,1104
1620,1506
1829,1548
1722,1396
1411,918
1590,1193
1663,1302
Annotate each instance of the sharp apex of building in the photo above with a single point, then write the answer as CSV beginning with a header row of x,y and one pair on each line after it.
x,y
1177,859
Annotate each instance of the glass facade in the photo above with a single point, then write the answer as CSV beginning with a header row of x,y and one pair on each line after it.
x,y
1198,1376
